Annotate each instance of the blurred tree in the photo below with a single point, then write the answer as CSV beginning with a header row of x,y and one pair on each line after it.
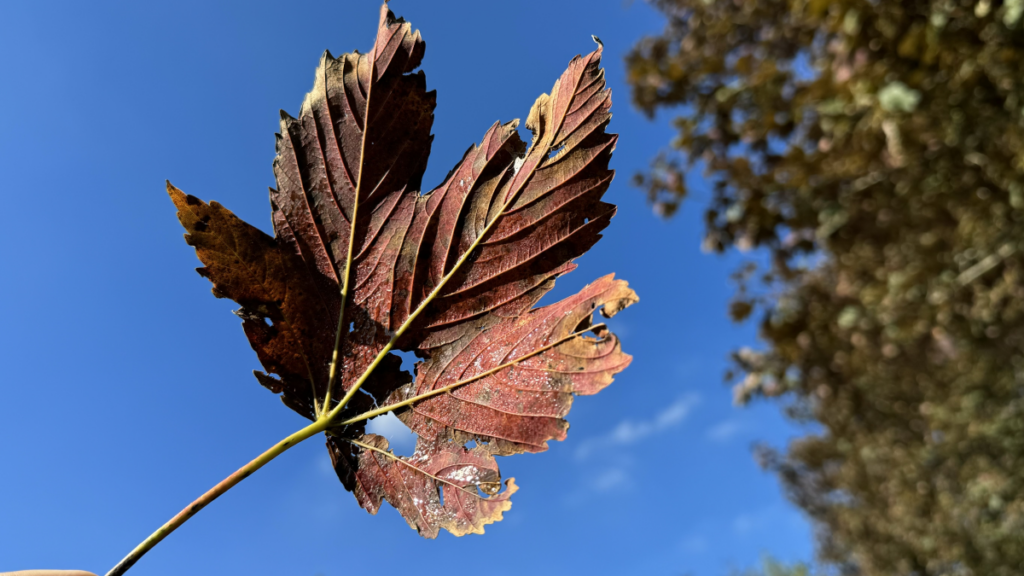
x,y
875,149
772,567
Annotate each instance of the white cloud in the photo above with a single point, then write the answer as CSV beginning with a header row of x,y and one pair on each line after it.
x,y
400,438
744,523
776,517
675,413
724,431
694,544
599,485
324,465
610,479
629,432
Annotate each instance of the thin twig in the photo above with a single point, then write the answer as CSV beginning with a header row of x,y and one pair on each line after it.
x,y
212,494
987,263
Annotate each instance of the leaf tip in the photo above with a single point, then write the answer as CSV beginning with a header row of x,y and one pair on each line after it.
x,y
622,296
179,198
511,488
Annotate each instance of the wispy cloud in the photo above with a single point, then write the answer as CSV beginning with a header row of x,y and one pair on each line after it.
x,y
610,479
629,432
724,430
600,484
776,517
694,544
744,523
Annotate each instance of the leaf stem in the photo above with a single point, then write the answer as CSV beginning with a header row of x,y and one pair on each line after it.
x,y
212,494
337,347
351,238
323,413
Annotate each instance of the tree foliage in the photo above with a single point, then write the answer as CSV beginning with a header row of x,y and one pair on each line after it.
x,y
772,567
363,264
875,150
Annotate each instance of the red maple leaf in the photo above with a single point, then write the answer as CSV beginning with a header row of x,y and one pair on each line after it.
x,y
363,264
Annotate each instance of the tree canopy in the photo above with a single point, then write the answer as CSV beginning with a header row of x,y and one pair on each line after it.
x,y
772,567
875,150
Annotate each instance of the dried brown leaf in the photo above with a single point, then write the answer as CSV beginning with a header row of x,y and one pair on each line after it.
x,y
452,275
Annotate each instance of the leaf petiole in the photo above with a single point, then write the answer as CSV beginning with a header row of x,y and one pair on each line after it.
x,y
213,493
320,425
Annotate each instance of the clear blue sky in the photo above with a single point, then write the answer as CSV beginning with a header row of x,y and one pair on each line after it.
x,y
127,388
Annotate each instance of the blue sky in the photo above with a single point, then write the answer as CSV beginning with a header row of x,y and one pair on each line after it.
x,y
127,388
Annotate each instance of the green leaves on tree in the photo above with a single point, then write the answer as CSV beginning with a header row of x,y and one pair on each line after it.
x,y
873,150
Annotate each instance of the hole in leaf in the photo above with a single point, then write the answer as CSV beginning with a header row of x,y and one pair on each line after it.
x,y
584,324
517,164
363,391
487,489
401,439
440,495
408,360
554,152
471,444
268,322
